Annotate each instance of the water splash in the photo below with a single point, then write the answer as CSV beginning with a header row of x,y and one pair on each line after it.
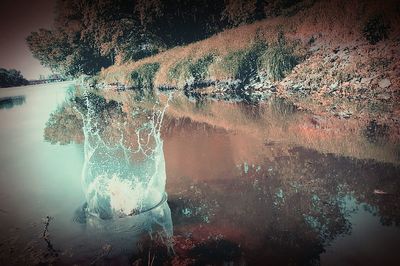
x,y
124,166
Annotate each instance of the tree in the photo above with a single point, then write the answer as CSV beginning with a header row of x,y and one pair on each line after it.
x,y
91,34
11,78
240,11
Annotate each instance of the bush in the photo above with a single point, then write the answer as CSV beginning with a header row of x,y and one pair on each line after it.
x,y
376,29
180,71
278,60
143,77
199,69
231,62
188,69
243,64
376,133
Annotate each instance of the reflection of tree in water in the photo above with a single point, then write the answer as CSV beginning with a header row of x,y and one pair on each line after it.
x,y
284,212
64,125
10,102
111,119
292,207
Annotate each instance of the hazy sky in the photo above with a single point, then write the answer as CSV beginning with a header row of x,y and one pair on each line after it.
x,y
18,18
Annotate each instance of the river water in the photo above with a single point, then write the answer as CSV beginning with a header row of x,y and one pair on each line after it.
x,y
233,196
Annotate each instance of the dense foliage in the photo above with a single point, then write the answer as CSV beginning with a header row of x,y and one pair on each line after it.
x,y
90,34
376,29
143,77
278,60
11,78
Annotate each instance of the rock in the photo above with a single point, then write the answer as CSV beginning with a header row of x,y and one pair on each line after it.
x,y
334,86
337,49
384,83
384,96
345,115
272,89
314,49
333,58
367,81
296,87
257,86
317,121
379,192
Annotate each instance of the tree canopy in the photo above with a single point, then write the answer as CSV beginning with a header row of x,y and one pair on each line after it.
x,y
11,78
90,34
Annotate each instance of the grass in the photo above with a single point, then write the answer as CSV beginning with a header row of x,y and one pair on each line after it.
x,y
223,56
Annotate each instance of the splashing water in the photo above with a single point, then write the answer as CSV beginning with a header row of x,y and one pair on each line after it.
x,y
124,168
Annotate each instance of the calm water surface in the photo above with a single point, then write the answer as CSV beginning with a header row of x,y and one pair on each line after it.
x,y
233,198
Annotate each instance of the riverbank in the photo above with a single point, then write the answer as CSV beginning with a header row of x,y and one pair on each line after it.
x,y
336,61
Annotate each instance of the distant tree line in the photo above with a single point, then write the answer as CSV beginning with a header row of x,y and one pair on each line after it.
x,y
90,34
11,78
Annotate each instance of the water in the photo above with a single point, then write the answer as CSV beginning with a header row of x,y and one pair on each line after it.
x,y
40,180
234,196
123,173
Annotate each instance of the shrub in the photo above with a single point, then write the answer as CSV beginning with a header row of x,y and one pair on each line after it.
x,y
278,60
199,69
143,77
188,69
376,133
249,65
243,64
231,62
376,29
180,71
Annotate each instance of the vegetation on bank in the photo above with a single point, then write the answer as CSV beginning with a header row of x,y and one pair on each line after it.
x,y
277,58
90,35
11,78
284,41
332,58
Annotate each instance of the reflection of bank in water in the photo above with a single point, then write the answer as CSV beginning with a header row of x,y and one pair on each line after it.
x,y
10,102
236,197
283,205
278,120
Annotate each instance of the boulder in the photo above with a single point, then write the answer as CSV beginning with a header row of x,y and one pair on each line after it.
x,y
384,96
384,83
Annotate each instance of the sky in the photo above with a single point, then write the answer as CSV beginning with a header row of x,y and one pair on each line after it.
x,y
18,18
